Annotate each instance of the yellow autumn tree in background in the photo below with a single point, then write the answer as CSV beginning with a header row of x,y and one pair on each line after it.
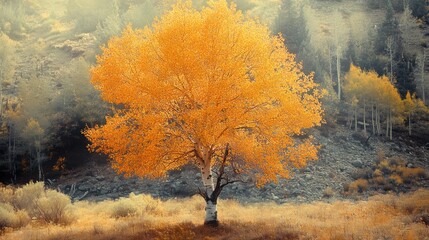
x,y
367,90
209,87
412,105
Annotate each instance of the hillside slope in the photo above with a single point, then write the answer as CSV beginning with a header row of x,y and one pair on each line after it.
x,y
344,157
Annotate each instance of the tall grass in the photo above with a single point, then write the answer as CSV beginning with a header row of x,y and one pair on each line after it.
x,y
143,217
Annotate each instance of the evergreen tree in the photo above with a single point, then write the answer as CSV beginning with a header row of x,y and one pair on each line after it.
x,y
291,23
389,28
418,8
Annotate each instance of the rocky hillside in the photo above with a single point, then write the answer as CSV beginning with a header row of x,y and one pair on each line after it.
x,y
344,157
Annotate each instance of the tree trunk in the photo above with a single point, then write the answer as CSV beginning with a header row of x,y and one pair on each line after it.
x,y
409,124
339,73
391,123
387,124
377,120
356,119
9,148
39,163
14,156
364,115
350,117
372,119
423,76
211,203
330,63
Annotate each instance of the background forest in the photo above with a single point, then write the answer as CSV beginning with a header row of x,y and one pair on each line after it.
x,y
48,47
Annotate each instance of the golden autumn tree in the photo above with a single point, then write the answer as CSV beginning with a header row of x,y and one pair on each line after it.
x,y
412,106
209,87
368,90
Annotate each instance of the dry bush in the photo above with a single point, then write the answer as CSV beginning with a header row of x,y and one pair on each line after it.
x,y
148,204
123,207
25,198
52,207
396,179
32,200
6,194
328,192
411,174
11,218
359,185
380,156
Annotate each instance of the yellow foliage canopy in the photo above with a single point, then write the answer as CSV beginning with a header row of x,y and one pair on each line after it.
x,y
197,81
372,88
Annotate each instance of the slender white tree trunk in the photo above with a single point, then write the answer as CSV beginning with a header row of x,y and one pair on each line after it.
x,y
423,76
364,115
391,123
356,119
211,204
409,124
339,72
330,63
387,124
372,119
376,120
39,163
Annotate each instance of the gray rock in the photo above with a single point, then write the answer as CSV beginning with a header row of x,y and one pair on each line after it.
x,y
357,163
100,178
308,177
84,187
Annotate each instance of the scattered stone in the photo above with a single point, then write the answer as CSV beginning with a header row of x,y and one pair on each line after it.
x,y
100,177
357,164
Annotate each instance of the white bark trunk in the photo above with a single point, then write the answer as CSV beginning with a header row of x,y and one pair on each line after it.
x,y
339,73
39,164
211,206
409,124
391,124
423,75
356,119
372,119
364,115
387,124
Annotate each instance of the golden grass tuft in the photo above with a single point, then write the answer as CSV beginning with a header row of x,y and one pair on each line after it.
x,y
380,217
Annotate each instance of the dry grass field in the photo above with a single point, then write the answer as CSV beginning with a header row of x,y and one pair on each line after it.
x,y
143,217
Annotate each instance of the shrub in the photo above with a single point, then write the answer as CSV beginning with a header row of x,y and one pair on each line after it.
x,y
6,195
25,198
385,167
52,207
411,174
379,180
148,204
359,185
328,192
397,180
123,207
380,156
396,161
10,218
